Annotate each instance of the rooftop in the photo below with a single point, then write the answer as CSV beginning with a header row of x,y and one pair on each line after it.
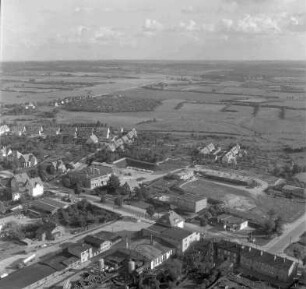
x,y
230,219
177,234
148,250
265,257
170,219
293,188
26,276
78,248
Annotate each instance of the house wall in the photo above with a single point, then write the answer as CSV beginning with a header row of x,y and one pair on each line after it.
x,y
37,191
195,236
268,269
223,254
160,259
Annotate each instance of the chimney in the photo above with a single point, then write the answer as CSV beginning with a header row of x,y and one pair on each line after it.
x,y
126,242
274,257
250,249
261,253
284,260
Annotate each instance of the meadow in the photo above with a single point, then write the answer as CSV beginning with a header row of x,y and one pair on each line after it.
x,y
206,97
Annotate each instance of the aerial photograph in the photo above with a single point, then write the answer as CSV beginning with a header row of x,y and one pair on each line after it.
x,y
153,144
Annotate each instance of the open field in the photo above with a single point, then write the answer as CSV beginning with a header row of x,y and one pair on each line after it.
x,y
241,201
214,98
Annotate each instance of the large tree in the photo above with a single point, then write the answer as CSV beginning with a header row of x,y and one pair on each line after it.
x,y
112,184
118,201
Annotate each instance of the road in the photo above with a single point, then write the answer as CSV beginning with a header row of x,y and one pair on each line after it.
x,y
291,234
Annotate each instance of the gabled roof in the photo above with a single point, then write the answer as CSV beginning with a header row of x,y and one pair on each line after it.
x,y
77,249
170,219
92,139
35,181
94,240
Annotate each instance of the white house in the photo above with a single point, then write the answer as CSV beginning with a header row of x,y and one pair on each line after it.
x,y
4,129
37,187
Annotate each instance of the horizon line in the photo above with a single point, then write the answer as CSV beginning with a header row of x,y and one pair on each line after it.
x,y
154,59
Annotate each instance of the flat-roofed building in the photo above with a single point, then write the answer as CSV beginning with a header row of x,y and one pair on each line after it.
x,y
180,238
187,201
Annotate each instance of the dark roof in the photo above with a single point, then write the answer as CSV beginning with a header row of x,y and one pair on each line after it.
x,y
105,235
176,233
78,248
266,258
229,219
93,240
256,254
26,276
229,246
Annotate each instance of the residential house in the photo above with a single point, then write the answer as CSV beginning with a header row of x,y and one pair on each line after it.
x,y
208,149
5,152
92,176
171,219
93,139
59,166
231,223
82,251
52,232
37,187
22,184
4,129
23,160
229,158
228,251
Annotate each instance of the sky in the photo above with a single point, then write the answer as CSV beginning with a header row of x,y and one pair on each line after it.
x,y
153,29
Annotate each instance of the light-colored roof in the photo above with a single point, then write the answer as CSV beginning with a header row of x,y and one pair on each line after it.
x,y
149,250
170,219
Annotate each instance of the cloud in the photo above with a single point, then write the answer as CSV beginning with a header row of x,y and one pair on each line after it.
x,y
188,10
296,23
152,25
82,9
250,24
189,26
264,24
107,34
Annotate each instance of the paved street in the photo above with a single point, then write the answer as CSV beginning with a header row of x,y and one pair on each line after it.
x,y
291,234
